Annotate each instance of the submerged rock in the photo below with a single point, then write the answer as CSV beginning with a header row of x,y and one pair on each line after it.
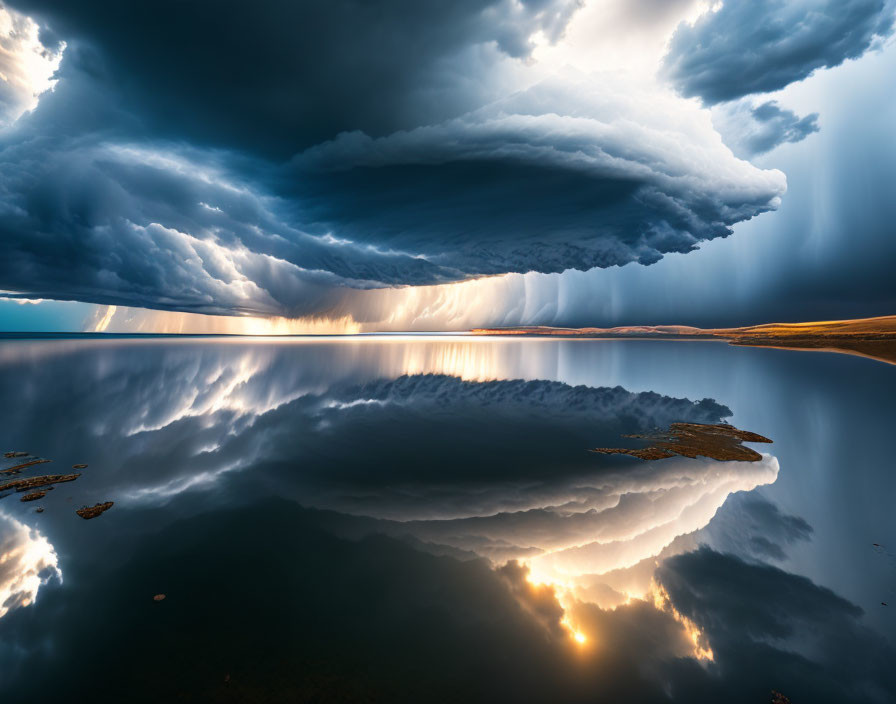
x,y
88,512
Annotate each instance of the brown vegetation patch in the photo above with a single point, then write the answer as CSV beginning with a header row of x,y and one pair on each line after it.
x,y
719,442
15,469
88,512
34,482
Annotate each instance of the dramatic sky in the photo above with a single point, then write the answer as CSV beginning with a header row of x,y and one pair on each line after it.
x,y
348,165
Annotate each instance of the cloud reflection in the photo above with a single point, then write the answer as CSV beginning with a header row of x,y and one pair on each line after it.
x,y
394,518
423,441
27,561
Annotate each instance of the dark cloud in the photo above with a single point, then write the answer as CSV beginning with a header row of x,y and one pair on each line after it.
x,y
122,224
560,176
277,77
751,129
810,642
508,188
750,47
340,147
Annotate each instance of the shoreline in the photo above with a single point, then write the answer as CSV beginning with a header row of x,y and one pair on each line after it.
x,y
874,338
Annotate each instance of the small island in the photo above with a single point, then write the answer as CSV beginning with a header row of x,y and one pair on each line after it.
x,y
719,442
16,469
36,488
88,512
35,482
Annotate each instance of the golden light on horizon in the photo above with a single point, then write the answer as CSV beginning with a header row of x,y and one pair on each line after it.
x,y
123,319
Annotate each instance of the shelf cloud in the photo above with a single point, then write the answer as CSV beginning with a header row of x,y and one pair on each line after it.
x,y
169,171
326,161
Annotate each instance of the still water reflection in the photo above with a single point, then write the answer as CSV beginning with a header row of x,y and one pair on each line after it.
x,y
420,518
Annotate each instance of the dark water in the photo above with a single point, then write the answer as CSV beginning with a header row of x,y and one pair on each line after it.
x,y
416,519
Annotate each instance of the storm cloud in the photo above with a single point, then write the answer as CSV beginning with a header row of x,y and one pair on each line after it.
x,y
121,224
273,77
341,148
565,175
750,46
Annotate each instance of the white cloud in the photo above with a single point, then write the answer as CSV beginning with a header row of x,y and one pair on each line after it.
x,y
26,65
27,561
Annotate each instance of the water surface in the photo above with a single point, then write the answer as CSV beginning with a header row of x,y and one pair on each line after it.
x,y
419,518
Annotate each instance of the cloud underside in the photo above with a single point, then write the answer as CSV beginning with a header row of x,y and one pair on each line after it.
x,y
274,78
508,189
169,171
376,164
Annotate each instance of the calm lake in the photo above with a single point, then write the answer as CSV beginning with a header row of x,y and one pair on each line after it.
x,y
419,518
